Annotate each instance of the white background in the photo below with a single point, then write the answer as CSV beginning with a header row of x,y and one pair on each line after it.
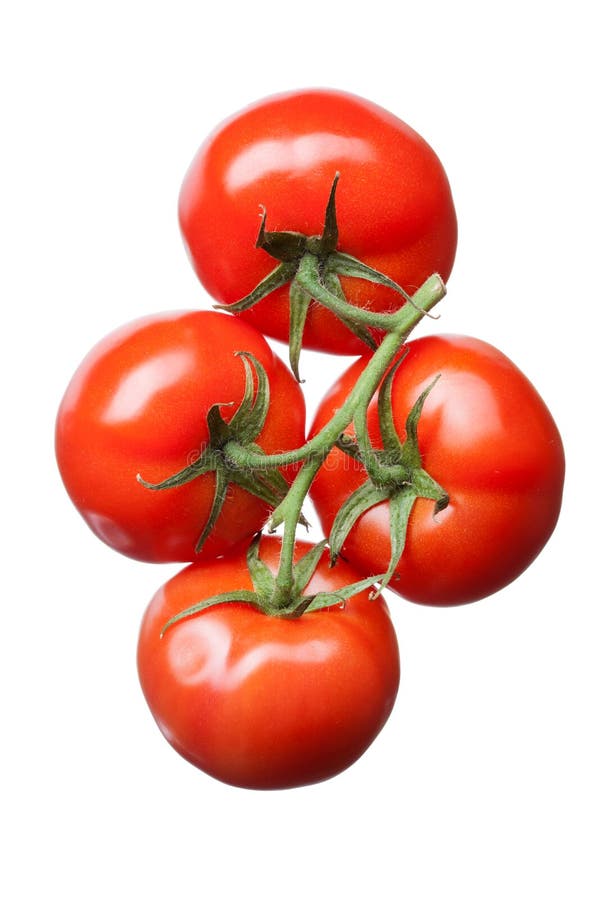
x,y
484,783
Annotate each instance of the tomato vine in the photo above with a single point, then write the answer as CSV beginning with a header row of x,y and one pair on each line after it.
x,y
288,511
434,466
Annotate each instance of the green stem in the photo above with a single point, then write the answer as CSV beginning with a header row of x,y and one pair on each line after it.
x,y
315,451
404,320
289,512
307,276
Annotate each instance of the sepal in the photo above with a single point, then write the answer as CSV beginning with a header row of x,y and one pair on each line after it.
x,y
362,499
264,590
394,474
312,266
246,424
274,280
247,597
339,597
305,568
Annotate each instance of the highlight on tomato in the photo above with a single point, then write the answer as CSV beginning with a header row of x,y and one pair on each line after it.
x,y
266,701
259,188
140,430
487,439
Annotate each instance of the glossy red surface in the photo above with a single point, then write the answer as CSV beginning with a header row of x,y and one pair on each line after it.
x,y
394,206
138,404
488,439
264,702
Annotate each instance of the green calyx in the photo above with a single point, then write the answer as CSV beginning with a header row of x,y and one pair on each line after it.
x,y
265,596
312,267
246,424
395,474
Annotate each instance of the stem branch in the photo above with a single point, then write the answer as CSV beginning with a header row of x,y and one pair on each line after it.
x,y
314,451
404,320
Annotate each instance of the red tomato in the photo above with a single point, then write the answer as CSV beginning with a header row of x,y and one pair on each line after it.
x,y
394,206
487,438
264,702
138,404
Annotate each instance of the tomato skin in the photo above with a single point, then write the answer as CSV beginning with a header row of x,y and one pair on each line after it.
x,y
488,439
138,404
394,207
263,702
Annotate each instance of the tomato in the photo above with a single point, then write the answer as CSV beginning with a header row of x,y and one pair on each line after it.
x,y
138,404
259,701
488,439
394,206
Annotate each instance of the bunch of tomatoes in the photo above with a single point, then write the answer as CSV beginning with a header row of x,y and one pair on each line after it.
x,y
321,220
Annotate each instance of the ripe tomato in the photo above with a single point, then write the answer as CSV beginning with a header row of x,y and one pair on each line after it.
x,y
264,702
487,438
394,206
138,404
